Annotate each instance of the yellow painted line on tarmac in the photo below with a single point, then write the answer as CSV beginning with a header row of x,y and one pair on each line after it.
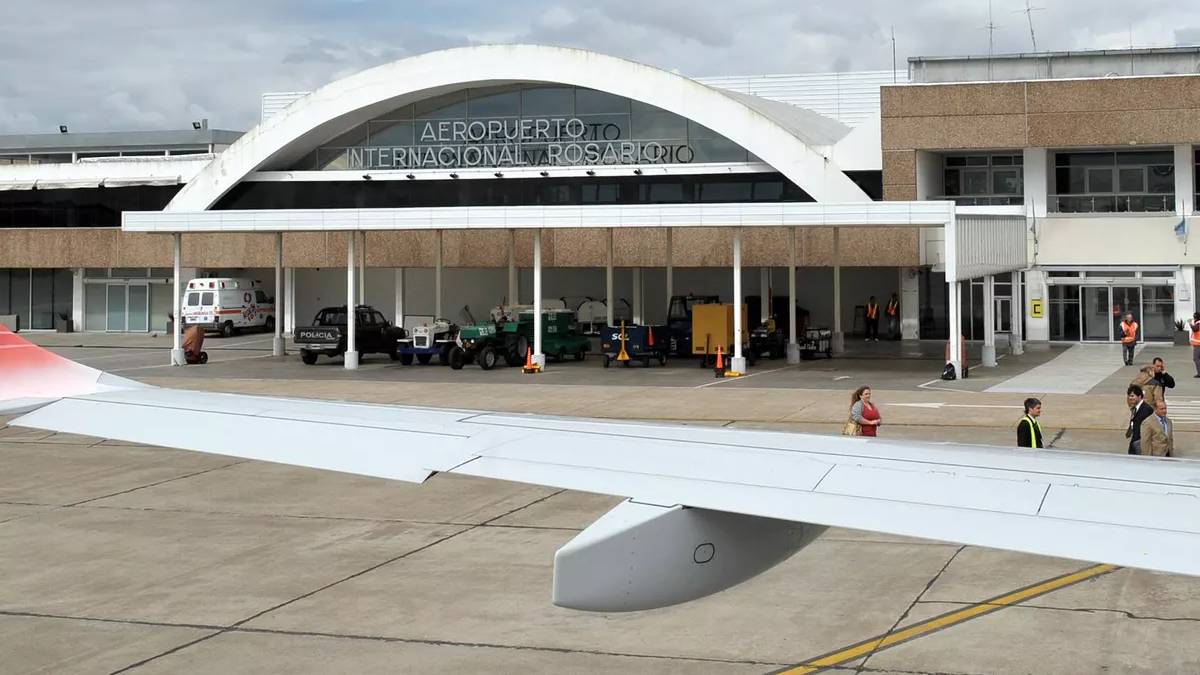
x,y
923,628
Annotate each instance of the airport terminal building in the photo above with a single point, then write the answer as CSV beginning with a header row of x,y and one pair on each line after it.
x,y
473,175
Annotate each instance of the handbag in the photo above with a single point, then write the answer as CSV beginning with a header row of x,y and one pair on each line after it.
x,y
851,428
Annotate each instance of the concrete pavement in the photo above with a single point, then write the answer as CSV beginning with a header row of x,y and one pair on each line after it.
x,y
124,558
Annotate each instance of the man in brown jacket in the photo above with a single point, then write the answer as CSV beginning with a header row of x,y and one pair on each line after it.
x,y
1158,432
1150,389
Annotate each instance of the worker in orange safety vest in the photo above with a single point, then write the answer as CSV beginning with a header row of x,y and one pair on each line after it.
x,y
893,317
1129,336
1194,339
872,319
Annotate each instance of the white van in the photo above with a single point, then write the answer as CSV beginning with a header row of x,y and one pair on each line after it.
x,y
228,306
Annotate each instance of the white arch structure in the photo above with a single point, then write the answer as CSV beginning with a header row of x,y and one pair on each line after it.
x,y
340,106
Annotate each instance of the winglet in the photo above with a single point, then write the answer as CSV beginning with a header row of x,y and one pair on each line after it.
x,y
31,376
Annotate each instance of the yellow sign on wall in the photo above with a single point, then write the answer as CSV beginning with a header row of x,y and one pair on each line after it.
x,y
1035,309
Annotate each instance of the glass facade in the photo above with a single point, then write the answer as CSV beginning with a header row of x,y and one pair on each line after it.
x,y
1123,181
750,187
522,125
81,207
983,179
38,296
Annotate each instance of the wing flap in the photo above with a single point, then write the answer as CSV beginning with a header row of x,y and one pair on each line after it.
x,y
1091,539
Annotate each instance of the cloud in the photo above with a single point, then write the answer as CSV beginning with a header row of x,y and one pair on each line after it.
x,y
138,65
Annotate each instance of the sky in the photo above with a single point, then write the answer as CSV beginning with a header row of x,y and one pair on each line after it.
x,y
160,64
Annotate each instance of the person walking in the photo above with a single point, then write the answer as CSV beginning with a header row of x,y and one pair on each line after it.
x,y
863,412
1149,386
1162,377
1138,412
1029,430
1158,433
1194,340
1129,330
872,319
893,318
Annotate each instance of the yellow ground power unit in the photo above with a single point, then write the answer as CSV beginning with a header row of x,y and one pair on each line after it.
x,y
712,325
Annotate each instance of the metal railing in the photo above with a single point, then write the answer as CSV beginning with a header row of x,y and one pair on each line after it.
x,y
983,200
1126,203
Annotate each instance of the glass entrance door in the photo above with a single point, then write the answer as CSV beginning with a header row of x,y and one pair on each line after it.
x,y
116,308
138,308
1126,299
1096,315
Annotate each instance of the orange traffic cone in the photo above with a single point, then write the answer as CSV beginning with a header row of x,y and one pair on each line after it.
x,y
623,355
719,370
530,366
649,337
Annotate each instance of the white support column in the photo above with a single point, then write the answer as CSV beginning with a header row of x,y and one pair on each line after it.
x,y
670,270
437,275
351,358
538,357
837,342
764,294
952,296
989,321
362,268
177,358
1185,187
910,304
1016,341
738,363
399,281
289,302
514,291
793,348
609,301
277,345
638,318
78,297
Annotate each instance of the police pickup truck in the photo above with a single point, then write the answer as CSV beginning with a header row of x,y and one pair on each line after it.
x,y
373,334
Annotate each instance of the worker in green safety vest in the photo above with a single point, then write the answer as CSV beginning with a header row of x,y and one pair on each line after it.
x,y
1029,432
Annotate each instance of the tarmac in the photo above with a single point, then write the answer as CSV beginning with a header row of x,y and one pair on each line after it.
x,y
126,558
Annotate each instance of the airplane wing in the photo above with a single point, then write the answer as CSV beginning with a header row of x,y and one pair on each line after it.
x,y
707,508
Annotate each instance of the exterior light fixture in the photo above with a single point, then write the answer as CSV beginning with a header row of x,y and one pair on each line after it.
x,y
366,176
637,172
62,128
498,174
591,172
196,125
545,174
409,176
454,175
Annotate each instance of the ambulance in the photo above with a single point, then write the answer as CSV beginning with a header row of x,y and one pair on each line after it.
x,y
228,305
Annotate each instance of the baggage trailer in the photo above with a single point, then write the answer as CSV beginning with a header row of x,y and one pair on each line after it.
x,y
815,341
640,343
712,327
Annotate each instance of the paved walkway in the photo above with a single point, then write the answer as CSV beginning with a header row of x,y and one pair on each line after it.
x,y
1075,371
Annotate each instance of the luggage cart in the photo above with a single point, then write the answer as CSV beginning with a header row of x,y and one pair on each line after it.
x,y
815,341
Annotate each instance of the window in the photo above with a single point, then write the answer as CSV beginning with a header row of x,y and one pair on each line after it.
x,y
206,299
193,299
379,319
259,296
1122,181
983,179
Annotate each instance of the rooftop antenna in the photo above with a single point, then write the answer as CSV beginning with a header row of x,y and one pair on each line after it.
x,y
1028,12
991,29
1131,50
893,54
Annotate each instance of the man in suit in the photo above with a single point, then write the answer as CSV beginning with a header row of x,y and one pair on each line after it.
x,y
1139,410
1158,432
